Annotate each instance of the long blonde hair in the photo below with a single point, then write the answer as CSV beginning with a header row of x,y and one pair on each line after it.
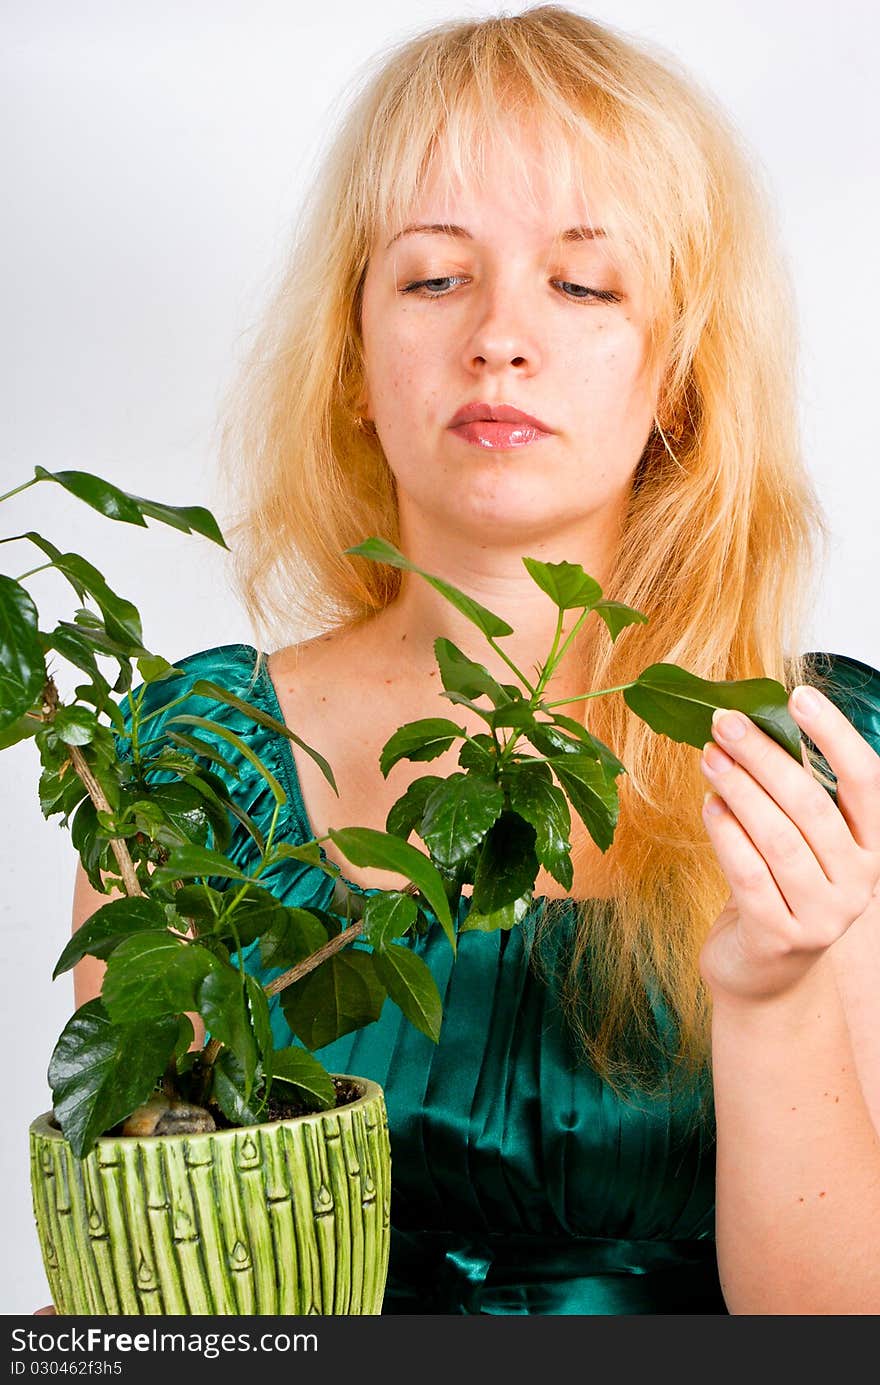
x,y
723,540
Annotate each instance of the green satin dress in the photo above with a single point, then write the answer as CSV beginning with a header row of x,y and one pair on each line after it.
x,y
520,1182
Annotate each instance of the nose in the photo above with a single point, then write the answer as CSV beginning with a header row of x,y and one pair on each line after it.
x,y
501,337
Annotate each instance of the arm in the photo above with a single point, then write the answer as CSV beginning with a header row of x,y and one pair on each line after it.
x,y
798,1159
791,963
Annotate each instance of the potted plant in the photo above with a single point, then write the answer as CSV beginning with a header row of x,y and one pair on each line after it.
x,y
231,1176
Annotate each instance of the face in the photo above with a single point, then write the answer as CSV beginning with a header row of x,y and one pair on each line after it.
x,y
508,315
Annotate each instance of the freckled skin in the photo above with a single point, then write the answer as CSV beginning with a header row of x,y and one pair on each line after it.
x,y
504,331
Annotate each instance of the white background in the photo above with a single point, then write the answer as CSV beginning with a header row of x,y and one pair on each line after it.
x,y
153,158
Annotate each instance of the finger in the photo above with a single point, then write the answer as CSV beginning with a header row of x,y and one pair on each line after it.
x,y
806,891
855,763
755,892
48,1312
801,797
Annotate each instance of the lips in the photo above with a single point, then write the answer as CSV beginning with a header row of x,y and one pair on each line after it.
x,y
497,426
479,412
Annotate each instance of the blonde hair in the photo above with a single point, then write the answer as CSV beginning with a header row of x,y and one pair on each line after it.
x,y
723,538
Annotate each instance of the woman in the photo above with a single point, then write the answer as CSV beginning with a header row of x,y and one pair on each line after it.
x,y
537,308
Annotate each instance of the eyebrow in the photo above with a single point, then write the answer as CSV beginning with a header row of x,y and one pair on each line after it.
x,y
439,228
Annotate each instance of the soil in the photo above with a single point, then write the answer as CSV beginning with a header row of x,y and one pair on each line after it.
x,y
278,1107
283,1107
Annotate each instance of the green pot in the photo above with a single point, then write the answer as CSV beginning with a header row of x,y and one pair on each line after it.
x,y
290,1217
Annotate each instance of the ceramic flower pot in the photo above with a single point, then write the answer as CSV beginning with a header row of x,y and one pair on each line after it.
x,y
290,1217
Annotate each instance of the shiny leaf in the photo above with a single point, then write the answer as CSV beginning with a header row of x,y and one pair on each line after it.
x,y
22,665
460,674
100,1072
507,866
679,705
298,1068
388,916
364,846
411,986
458,815
424,739
380,551
567,584
110,926
340,995
537,799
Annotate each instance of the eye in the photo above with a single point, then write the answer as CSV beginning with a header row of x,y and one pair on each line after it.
x,y
433,288
430,285
580,291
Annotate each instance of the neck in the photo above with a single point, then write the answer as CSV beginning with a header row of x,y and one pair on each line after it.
x,y
496,578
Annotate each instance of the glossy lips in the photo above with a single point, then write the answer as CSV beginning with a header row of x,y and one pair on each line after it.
x,y
497,426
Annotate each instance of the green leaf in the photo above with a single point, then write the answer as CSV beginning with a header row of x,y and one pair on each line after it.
x,y
406,814
228,1091
74,646
22,665
104,497
184,807
460,674
592,795
419,740
364,846
458,815
617,616
567,584
19,730
388,916
518,716
221,1000
75,725
411,986
342,994
121,618
188,862
250,917
479,754
504,918
110,926
258,1006
507,867
300,1069
109,500
679,705
153,974
86,835
205,688
101,1072
537,799
154,669
205,750
185,719
380,551
292,935
590,745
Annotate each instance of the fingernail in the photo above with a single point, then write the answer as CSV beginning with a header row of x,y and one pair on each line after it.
x,y
730,726
805,700
712,804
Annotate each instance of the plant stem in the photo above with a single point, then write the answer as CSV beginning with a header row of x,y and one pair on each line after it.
x,y
303,968
42,568
83,770
582,697
23,487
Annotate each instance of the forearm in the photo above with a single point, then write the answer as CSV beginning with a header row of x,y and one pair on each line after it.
x,y
798,1159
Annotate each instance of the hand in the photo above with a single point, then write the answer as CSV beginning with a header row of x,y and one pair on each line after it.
x,y
801,869
44,1312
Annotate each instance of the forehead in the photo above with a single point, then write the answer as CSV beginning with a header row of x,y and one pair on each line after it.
x,y
530,182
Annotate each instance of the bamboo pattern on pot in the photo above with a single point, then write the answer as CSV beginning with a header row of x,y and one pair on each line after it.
x,y
291,1217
